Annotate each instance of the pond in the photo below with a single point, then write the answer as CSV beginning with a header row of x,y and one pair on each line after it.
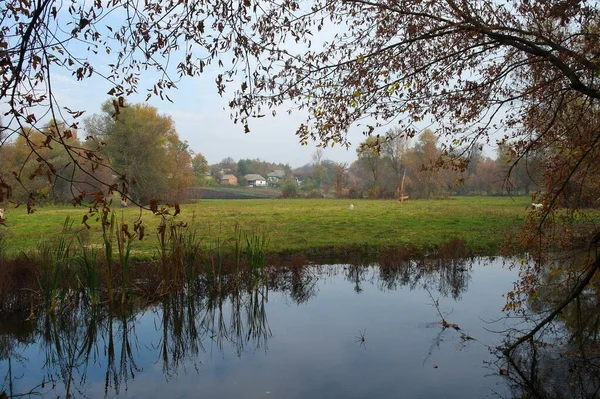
x,y
321,331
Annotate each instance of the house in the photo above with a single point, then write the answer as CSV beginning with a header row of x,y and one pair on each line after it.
x,y
275,176
228,179
255,180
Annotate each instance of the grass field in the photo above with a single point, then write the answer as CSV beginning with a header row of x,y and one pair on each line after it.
x,y
301,225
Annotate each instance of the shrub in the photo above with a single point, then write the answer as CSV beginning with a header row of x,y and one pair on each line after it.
x,y
289,189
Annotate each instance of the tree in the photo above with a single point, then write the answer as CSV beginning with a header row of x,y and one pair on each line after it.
x,y
243,167
339,170
52,175
200,168
317,156
369,157
487,178
394,150
146,149
318,172
228,164
423,159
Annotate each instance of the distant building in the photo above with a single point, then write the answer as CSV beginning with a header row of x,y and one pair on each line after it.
x,y
275,177
255,180
228,179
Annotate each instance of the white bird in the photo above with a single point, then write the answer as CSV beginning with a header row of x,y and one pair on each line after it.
x,y
351,206
537,206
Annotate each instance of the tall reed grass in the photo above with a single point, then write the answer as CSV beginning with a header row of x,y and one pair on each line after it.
x,y
88,274
106,274
53,259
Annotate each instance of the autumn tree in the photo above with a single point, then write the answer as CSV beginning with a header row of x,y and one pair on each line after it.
x,y
144,146
471,67
319,171
200,168
394,149
487,177
422,159
369,157
62,180
339,170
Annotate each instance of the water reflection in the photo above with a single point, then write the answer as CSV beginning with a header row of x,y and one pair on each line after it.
x,y
563,359
290,332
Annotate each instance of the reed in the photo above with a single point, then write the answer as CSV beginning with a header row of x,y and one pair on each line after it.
x,y
191,255
124,240
161,234
53,258
256,253
62,268
217,258
108,228
87,262
184,251
3,244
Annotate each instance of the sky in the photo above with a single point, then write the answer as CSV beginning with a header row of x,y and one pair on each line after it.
x,y
202,117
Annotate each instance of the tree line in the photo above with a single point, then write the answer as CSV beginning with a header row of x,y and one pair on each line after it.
x,y
138,153
145,149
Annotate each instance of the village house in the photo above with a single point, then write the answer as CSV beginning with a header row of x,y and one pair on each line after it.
x,y
255,180
275,177
228,179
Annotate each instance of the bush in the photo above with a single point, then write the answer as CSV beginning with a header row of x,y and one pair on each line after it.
x,y
289,189
374,192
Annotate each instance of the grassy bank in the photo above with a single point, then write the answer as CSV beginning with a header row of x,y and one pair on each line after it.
x,y
49,258
309,226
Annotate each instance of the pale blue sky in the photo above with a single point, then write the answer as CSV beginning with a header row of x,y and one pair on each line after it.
x,y
201,116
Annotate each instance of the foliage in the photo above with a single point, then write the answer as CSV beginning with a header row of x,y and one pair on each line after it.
x,y
200,168
48,174
146,149
369,156
339,171
289,189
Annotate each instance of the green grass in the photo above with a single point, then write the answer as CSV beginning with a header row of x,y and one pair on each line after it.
x,y
301,225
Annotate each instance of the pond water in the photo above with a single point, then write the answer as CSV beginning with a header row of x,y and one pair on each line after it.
x,y
333,331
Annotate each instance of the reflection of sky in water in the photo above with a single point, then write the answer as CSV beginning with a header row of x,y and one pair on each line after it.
x,y
314,350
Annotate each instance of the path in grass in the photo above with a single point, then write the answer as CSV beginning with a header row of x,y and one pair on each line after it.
x,y
295,225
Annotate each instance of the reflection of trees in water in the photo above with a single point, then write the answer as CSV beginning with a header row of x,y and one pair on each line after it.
x,y
552,372
204,318
299,282
357,274
563,359
450,277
